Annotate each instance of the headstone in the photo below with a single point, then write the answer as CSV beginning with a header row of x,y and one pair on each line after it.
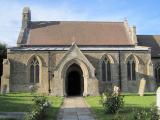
x,y
4,90
116,90
158,99
142,87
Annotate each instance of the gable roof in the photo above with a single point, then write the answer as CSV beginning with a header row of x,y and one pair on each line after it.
x,y
74,53
152,41
81,32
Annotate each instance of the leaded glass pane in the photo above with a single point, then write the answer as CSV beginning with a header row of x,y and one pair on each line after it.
x,y
32,74
37,73
133,71
108,71
103,71
128,71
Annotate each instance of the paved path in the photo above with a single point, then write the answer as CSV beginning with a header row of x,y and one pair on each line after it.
x,y
75,108
12,115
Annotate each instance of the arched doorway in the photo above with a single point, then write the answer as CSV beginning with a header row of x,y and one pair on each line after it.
x,y
74,81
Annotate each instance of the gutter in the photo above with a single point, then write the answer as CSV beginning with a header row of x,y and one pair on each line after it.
x,y
49,72
120,82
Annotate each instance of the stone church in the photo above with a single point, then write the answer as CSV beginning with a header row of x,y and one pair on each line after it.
x,y
67,58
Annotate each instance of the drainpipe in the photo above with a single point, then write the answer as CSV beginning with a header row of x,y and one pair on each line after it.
x,y
120,83
49,72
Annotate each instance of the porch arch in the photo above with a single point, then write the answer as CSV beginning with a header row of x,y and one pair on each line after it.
x,y
85,73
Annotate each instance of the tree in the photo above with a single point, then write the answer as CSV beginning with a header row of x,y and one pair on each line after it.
x,y
3,55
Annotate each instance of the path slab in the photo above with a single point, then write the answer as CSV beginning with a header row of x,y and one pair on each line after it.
x,y
75,108
14,115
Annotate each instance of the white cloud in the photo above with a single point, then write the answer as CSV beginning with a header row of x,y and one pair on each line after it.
x,y
11,12
11,15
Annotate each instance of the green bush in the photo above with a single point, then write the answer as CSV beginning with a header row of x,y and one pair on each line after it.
x,y
140,115
39,110
118,117
111,102
152,114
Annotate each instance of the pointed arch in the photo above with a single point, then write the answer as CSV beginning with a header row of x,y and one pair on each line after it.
x,y
132,56
75,54
34,65
110,58
37,57
83,67
79,62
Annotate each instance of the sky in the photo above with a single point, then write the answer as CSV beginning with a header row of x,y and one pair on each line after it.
x,y
144,14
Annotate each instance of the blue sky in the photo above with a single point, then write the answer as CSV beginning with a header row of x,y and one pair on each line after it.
x,y
145,14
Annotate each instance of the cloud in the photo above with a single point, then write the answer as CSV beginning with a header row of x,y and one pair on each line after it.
x,y
11,12
147,22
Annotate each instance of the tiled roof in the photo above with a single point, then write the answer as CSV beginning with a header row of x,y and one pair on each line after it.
x,y
83,33
152,41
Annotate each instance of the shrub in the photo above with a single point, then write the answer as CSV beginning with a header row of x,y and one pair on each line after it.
x,y
119,117
39,110
152,114
111,102
140,115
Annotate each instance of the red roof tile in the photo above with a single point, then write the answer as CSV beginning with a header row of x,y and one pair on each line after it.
x,y
83,33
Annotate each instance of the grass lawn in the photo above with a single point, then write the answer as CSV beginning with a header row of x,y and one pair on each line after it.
x,y
22,102
130,100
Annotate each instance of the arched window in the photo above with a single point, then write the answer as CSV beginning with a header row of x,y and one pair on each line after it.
x,y
106,70
157,73
34,70
131,70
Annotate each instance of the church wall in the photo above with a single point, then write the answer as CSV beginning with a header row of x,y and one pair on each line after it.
x,y
19,76
141,72
126,85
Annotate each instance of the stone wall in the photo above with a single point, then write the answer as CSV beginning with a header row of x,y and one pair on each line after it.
x,y
19,80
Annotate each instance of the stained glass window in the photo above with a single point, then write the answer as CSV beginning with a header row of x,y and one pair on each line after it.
x,y
34,71
128,71
32,74
103,71
131,70
106,70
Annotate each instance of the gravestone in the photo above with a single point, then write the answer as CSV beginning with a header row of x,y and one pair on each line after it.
x,y
116,90
4,90
158,99
142,87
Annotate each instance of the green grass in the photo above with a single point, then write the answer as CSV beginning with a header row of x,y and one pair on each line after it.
x,y
131,101
53,111
22,102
